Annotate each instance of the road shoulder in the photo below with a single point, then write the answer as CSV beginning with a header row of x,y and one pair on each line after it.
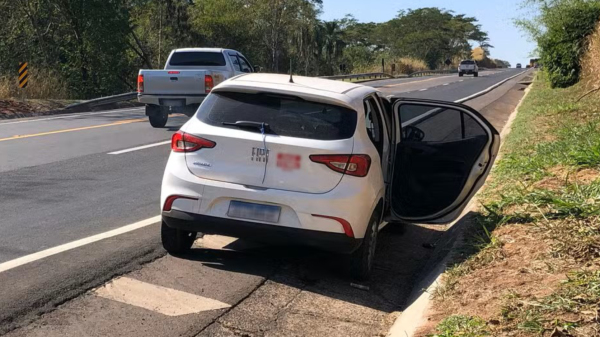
x,y
500,108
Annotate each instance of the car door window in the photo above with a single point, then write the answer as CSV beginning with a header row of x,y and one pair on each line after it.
x,y
373,123
235,61
244,65
439,160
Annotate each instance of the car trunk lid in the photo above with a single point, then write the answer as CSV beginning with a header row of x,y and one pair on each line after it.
x,y
286,129
238,157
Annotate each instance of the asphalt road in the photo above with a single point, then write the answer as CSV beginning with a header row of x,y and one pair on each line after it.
x,y
60,181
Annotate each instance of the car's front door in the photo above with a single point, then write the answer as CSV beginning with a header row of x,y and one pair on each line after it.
x,y
442,155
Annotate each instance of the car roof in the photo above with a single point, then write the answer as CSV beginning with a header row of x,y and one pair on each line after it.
x,y
210,50
311,88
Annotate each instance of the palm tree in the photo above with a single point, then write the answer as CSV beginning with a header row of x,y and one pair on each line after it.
x,y
330,35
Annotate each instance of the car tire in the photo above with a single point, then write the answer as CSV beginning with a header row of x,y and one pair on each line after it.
x,y
157,117
460,74
361,260
176,241
476,74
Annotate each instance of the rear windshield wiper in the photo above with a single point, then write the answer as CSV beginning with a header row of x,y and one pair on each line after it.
x,y
263,127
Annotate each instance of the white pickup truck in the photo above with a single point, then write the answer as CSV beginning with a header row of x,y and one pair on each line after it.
x,y
189,75
468,67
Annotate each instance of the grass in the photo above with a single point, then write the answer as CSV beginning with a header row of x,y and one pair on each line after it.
x,y
591,61
463,326
547,182
578,296
404,65
43,84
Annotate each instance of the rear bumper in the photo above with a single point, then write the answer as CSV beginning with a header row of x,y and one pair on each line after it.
x,y
158,99
467,71
335,242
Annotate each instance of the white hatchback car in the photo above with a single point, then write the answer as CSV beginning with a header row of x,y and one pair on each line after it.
x,y
320,163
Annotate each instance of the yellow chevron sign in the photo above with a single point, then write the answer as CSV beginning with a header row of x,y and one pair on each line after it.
x,y
23,75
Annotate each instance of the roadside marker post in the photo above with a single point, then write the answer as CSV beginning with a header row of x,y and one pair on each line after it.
x,y
23,75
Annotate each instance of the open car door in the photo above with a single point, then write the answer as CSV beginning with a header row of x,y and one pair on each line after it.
x,y
442,154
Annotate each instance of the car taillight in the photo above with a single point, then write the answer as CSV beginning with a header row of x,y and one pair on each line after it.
x,y
345,224
184,142
208,83
170,199
173,72
355,165
140,83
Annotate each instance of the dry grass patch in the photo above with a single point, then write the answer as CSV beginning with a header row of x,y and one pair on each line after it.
x,y
404,65
43,84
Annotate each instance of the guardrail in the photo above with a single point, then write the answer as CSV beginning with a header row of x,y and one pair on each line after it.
x,y
432,72
366,76
104,100
374,76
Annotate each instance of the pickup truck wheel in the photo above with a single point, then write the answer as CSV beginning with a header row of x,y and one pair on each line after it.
x,y
460,74
159,119
176,241
361,261
476,74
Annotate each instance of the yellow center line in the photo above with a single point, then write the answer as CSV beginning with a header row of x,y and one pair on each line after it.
x,y
127,121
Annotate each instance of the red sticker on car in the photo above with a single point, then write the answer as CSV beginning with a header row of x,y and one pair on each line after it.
x,y
288,162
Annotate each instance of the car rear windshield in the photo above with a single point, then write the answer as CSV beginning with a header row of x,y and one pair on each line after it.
x,y
467,62
194,58
285,115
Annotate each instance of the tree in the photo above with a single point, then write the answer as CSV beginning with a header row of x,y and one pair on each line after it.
x,y
432,34
560,30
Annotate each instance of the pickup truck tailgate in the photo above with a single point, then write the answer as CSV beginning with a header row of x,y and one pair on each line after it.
x,y
174,82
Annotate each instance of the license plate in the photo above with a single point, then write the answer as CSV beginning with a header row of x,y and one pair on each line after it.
x,y
173,102
258,212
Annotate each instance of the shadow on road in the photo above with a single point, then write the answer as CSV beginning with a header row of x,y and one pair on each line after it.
x,y
401,258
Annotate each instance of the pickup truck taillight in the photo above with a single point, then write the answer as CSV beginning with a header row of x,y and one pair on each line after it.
x,y
140,83
208,83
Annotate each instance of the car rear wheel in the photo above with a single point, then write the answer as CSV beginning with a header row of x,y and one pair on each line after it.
x,y
460,74
176,241
476,74
157,116
361,261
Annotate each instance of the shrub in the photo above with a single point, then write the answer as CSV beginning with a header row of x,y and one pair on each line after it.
x,y
563,41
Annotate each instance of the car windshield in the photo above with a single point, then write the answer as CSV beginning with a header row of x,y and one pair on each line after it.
x,y
467,62
285,115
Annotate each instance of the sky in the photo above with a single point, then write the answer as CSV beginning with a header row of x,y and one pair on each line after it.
x,y
495,17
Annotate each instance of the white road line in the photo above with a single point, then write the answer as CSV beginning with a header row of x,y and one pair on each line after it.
x,y
69,115
167,301
490,88
423,89
464,99
140,147
445,83
75,244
